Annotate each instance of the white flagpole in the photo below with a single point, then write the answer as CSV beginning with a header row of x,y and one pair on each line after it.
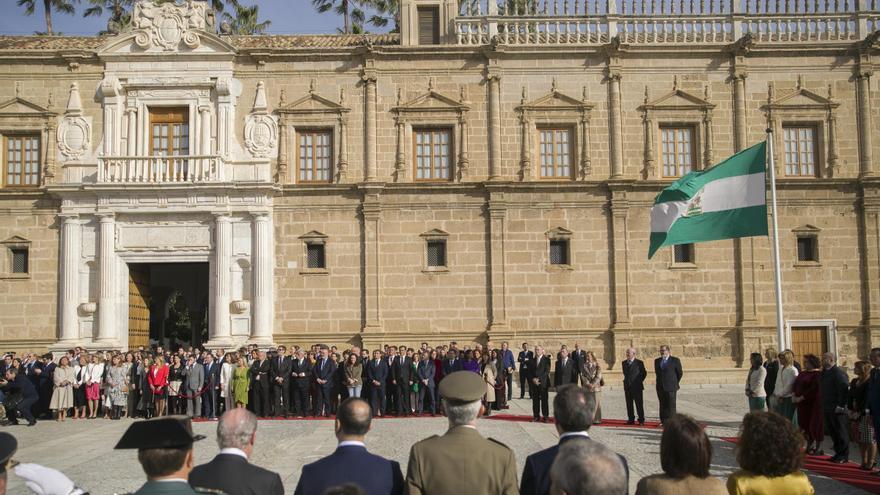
x,y
780,322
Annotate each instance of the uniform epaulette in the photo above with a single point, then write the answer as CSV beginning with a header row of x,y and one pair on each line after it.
x,y
208,491
499,442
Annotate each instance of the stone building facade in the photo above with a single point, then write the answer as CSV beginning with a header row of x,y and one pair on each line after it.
x,y
486,174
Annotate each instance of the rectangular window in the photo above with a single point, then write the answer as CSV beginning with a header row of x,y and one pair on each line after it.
x,y
315,156
437,253
169,131
800,151
19,260
554,150
683,253
315,256
22,159
559,252
433,154
429,25
807,248
677,151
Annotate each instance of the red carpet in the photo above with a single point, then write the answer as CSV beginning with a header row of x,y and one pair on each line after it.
x,y
610,423
846,473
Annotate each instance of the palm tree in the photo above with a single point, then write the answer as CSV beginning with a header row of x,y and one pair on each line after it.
x,y
120,13
63,6
386,11
245,20
351,11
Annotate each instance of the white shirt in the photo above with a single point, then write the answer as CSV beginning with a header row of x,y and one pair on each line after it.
x,y
574,434
351,443
234,451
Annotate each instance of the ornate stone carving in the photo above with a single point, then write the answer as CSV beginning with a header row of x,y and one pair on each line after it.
x,y
87,308
260,130
74,132
165,26
149,236
240,307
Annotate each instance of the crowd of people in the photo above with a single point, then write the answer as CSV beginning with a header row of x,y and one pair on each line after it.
x,y
793,405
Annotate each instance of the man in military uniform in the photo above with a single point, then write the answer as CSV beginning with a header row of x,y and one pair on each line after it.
x,y
461,461
165,451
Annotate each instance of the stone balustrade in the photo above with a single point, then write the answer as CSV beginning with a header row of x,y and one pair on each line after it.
x,y
530,22
159,169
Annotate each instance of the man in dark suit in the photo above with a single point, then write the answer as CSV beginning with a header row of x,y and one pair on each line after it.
x,y
452,363
539,388
526,363
17,384
351,463
667,368
834,392
323,374
403,376
391,382
426,372
229,471
573,412
566,371
634,374
260,384
301,372
279,371
579,356
874,391
377,377
212,384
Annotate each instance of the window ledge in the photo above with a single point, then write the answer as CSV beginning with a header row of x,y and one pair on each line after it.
x,y
807,264
559,268
16,276
683,266
436,269
314,271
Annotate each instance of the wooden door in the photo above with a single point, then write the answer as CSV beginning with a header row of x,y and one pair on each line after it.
x,y
808,340
138,307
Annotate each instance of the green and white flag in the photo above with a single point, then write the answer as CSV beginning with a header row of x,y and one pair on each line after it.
x,y
724,202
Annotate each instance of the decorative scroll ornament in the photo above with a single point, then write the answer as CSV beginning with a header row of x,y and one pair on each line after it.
x,y
74,132
260,130
166,25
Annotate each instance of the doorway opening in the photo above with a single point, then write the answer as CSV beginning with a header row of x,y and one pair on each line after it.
x,y
168,304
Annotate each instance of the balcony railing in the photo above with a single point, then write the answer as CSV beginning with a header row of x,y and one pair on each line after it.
x,y
532,22
159,169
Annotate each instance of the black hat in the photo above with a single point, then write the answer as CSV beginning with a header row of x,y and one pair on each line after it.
x,y
8,446
161,433
462,386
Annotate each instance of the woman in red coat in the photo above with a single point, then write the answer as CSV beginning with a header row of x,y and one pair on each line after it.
x,y
809,404
158,380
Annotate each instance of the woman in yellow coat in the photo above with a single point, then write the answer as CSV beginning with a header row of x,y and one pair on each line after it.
x,y
241,381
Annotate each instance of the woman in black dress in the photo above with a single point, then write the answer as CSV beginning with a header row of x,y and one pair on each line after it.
x,y
146,403
175,378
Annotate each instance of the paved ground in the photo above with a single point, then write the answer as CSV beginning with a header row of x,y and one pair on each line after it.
x,y
83,449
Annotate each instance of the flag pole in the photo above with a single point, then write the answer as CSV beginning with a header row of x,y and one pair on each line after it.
x,y
780,322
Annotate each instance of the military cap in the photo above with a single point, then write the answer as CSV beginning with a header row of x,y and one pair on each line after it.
x,y
161,433
463,386
8,446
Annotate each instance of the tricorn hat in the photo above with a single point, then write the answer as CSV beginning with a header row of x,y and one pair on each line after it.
x,y
161,433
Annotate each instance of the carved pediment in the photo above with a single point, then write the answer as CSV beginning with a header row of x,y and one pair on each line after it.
x,y
678,99
431,101
435,234
555,100
168,27
20,107
806,229
802,99
312,103
313,235
16,240
558,232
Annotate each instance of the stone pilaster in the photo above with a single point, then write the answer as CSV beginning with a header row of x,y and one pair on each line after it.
x,y
497,261
107,331
620,248
494,83
131,133
263,262
866,167
68,293
372,213
283,153
220,334
205,128
369,79
744,247
615,123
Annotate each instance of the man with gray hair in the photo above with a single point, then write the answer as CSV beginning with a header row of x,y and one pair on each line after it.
x,y
834,391
461,459
230,472
585,467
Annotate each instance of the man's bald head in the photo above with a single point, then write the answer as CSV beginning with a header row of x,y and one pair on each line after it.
x,y
353,419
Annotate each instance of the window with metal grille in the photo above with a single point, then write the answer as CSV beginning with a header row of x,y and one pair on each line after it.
x,y
429,25
433,154
554,150
807,248
315,156
800,150
677,150
22,159
19,260
559,252
315,256
683,253
437,253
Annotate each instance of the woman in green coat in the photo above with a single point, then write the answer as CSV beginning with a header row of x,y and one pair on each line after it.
x,y
241,380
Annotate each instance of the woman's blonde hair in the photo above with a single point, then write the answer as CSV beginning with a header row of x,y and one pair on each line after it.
x,y
786,357
160,360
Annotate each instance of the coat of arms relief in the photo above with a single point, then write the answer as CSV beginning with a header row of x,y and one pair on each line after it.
x,y
164,26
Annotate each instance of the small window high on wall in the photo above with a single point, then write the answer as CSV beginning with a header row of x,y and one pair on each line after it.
x,y
429,25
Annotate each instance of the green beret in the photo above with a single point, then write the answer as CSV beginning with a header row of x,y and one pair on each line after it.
x,y
463,386
8,446
160,433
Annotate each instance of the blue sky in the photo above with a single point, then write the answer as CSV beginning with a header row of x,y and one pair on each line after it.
x,y
287,16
